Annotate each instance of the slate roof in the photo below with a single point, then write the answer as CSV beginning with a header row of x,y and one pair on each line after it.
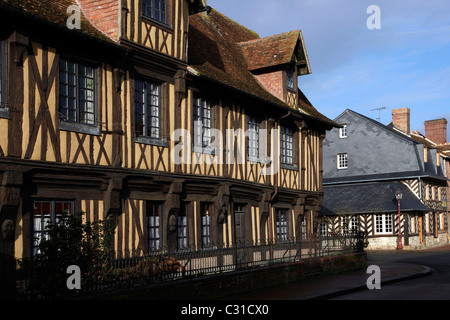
x,y
375,197
54,12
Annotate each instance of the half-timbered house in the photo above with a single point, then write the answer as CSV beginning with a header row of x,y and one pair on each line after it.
x,y
365,164
89,120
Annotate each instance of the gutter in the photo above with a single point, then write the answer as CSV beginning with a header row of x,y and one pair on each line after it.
x,y
384,179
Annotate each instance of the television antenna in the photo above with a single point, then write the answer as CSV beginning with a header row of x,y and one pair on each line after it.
x,y
379,112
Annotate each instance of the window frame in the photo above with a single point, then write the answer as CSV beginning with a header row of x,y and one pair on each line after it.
x,y
202,111
384,225
206,213
290,80
343,132
144,137
153,216
151,3
342,165
282,225
53,216
183,231
78,125
253,139
287,132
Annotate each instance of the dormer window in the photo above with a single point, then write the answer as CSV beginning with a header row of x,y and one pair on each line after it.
x,y
155,9
290,79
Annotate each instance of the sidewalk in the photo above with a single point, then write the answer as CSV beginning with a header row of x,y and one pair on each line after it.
x,y
325,287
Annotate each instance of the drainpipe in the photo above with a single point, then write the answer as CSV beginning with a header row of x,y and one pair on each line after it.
x,y
276,185
420,189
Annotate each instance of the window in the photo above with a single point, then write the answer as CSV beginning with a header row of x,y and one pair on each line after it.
x,y
253,138
290,79
182,231
342,161
46,213
206,235
323,229
353,224
153,226
155,9
304,228
77,94
412,224
148,109
3,71
343,132
282,225
383,224
202,122
287,146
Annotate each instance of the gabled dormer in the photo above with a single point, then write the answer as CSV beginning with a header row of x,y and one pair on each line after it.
x,y
158,25
277,62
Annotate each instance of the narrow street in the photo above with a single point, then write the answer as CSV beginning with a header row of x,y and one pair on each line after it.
x,y
435,286
408,283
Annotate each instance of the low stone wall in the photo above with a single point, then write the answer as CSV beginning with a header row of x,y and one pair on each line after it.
x,y
391,242
228,284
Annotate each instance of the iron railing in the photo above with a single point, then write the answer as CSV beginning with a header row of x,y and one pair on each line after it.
x,y
33,281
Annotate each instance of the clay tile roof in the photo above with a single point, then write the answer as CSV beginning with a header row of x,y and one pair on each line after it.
x,y
222,50
270,51
53,11
306,107
213,53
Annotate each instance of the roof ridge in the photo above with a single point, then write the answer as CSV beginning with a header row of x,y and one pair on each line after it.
x,y
243,43
236,23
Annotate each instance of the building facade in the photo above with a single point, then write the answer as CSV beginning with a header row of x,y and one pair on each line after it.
x,y
121,118
365,164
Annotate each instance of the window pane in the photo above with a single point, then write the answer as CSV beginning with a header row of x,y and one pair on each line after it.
x,y
148,109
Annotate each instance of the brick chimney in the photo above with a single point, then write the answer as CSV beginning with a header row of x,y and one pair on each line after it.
x,y
436,130
401,119
104,15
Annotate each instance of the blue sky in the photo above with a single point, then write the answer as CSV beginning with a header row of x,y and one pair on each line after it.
x,y
406,63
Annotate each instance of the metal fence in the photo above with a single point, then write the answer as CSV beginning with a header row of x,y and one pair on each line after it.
x,y
31,281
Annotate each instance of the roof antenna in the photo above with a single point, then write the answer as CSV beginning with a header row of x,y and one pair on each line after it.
x,y
379,112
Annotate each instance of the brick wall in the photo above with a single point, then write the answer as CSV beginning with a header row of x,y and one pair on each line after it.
x,y
436,130
401,119
104,15
273,82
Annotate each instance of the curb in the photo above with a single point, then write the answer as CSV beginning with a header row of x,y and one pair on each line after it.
x,y
394,279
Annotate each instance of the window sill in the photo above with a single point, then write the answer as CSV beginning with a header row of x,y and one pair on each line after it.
x,y
291,90
256,160
4,113
164,25
151,141
80,128
205,150
293,167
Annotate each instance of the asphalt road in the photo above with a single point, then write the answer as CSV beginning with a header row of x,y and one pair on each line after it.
x,y
435,286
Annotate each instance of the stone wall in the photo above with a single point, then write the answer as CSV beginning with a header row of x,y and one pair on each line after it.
x,y
232,283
